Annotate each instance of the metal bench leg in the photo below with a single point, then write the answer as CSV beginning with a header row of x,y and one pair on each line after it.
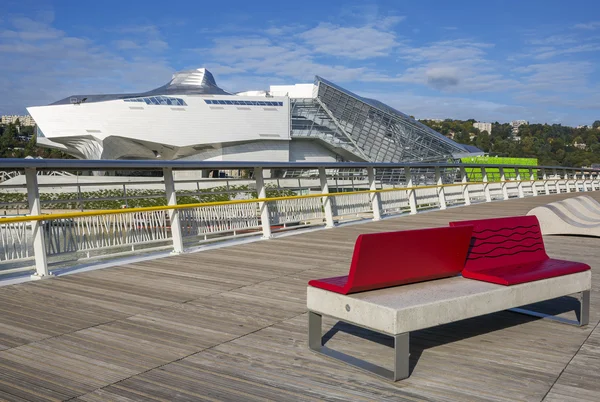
x,y
401,356
584,312
315,334
584,308
401,352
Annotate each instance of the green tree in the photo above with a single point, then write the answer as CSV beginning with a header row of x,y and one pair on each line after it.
x,y
596,124
8,141
463,138
483,141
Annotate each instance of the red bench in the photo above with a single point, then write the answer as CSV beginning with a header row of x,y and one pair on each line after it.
x,y
508,251
383,260
502,251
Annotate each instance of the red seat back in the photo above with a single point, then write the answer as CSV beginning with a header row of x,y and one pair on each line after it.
x,y
394,258
502,242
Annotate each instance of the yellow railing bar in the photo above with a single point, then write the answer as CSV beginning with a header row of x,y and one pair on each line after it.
x,y
68,215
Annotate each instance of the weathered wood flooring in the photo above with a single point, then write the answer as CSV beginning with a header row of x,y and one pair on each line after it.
x,y
230,324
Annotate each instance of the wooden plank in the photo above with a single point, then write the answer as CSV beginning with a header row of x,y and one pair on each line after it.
x,y
230,323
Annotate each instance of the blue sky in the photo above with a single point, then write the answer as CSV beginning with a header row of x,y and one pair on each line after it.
x,y
487,60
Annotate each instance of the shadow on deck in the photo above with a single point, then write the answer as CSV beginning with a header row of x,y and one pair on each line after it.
x,y
230,324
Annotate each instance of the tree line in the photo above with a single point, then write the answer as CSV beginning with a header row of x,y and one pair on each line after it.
x,y
551,144
17,141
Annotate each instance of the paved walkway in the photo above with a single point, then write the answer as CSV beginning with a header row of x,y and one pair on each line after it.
x,y
230,324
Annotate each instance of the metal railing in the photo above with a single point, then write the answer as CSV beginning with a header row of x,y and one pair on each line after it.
x,y
325,196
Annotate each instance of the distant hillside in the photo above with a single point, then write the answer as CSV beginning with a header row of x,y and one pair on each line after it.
x,y
550,144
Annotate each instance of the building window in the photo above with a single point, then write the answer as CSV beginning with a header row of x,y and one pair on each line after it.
x,y
241,103
158,100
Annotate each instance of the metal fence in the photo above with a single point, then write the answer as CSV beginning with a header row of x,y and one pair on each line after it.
x,y
277,197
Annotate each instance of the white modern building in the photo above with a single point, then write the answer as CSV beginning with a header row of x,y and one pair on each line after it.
x,y
23,120
483,127
192,118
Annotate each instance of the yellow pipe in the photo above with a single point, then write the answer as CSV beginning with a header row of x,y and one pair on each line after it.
x,y
68,215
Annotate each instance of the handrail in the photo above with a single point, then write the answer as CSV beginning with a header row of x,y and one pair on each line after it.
x,y
88,164
67,215
26,238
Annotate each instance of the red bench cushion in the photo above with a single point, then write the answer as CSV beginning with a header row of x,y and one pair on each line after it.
x,y
395,258
533,271
511,250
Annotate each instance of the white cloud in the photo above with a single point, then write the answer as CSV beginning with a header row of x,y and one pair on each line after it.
x,y
350,42
441,107
126,44
564,76
47,64
547,53
589,25
453,66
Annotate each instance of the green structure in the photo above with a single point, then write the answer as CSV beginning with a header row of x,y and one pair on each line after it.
x,y
475,174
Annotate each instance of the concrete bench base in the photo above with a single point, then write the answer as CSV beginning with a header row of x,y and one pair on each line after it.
x,y
399,310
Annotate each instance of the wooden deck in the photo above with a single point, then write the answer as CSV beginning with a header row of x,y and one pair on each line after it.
x,y
230,324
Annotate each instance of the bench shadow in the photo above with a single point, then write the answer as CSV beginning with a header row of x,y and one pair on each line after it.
x,y
424,339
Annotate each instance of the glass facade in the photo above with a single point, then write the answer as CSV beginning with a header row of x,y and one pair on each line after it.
x,y
368,129
158,100
241,102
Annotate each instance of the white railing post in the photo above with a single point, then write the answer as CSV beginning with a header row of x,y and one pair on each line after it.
x,y
556,180
583,176
375,201
440,189
519,183
326,200
174,219
412,194
567,184
594,178
577,182
486,185
545,178
533,182
37,229
589,176
503,186
465,188
263,206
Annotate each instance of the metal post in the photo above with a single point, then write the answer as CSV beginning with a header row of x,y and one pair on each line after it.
x,y
486,186
589,175
375,201
440,189
533,182
401,356
315,328
519,183
79,199
503,185
577,182
326,200
557,181
173,213
263,206
39,244
546,185
125,196
567,184
584,312
412,195
465,188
